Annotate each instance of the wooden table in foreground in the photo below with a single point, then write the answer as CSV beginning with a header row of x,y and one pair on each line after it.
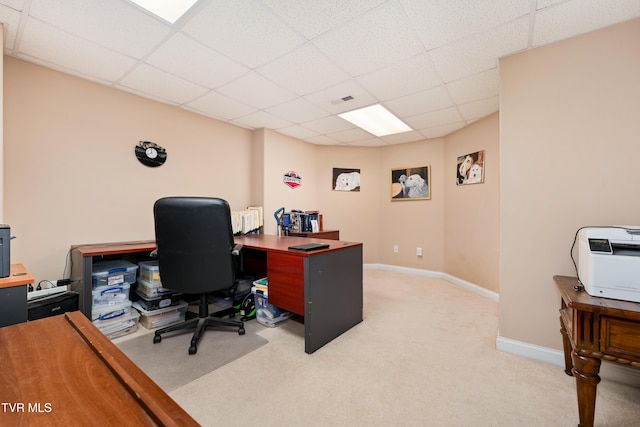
x,y
595,329
61,371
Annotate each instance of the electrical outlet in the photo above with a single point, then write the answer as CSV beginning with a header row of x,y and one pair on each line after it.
x,y
395,249
419,251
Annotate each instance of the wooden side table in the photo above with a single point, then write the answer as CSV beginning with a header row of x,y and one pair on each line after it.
x,y
595,329
13,295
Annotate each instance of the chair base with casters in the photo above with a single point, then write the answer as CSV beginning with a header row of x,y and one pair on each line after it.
x,y
199,323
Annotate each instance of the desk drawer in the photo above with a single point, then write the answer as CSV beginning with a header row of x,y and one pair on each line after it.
x,y
286,282
620,338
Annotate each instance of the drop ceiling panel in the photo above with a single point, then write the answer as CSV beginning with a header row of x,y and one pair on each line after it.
x,y
374,40
441,22
402,138
298,110
10,18
350,135
71,53
312,18
330,99
481,52
438,131
193,61
479,109
256,90
150,80
262,119
245,31
479,86
220,106
116,25
422,102
298,131
329,124
304,70
572,18
412,75
433,119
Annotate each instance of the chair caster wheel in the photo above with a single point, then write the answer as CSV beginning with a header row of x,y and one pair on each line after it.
x,y
241,331
157,339
193,349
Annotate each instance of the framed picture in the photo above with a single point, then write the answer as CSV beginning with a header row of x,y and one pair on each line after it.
x,y
346,179
411,183
470,169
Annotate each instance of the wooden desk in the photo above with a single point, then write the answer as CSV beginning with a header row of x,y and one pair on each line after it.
x,y
13,295
62,370
595,329
325,286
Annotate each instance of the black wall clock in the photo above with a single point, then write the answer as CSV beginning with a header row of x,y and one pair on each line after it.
x,y
150,154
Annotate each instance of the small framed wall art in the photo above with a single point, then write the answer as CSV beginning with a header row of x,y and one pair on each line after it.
x,y
346,179
470,169
412,183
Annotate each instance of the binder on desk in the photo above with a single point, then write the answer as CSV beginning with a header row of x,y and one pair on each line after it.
x,y
309,247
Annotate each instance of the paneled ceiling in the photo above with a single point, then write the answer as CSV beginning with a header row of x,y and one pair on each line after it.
x,y
288,65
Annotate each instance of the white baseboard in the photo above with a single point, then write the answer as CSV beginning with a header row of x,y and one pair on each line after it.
x,y
437,274
610,371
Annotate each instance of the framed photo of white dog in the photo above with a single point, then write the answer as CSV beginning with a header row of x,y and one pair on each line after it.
x,y
411,183
470,169
346,179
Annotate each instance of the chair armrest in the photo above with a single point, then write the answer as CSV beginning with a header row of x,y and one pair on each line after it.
x,y
236,249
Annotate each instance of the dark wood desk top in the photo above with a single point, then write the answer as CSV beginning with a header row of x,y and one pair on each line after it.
x,y
94,249
281,243
18,275
62,370
581,300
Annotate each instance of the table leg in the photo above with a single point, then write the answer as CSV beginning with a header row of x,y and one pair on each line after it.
x,y
586,369
566,344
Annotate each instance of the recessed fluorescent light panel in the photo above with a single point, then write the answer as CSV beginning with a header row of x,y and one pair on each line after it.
x,y
169,10
376,120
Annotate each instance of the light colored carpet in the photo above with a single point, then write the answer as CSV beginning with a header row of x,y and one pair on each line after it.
x,y
168,362
424,356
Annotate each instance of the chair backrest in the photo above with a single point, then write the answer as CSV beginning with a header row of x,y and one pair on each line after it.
x,y
194,240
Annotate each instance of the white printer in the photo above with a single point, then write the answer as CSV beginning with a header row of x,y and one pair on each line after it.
x,y
609,262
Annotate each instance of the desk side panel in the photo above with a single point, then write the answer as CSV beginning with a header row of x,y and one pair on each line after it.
x,y
333,295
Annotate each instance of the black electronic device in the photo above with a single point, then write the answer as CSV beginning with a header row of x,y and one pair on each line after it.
x,y
309,247
52,305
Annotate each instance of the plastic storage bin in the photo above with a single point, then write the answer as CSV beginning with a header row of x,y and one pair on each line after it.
x,y
118,327
267,314
152,319
150,272
110,312
160,301
111,273
105,296
150,290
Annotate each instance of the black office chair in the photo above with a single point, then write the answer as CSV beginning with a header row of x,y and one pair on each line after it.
x,y
196,255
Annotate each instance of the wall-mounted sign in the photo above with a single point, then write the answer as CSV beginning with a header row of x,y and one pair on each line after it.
x,y
292,179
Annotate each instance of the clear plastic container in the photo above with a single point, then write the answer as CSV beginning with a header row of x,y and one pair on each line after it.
x,y
150,272
111,273
105,296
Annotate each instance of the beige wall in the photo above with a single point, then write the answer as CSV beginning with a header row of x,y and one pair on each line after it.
x,y
569,139
354,213
70,172
471,212
412,224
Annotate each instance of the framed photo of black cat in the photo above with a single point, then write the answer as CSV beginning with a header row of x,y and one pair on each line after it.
x,y
412,183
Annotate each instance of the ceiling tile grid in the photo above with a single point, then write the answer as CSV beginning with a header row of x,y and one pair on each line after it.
x,y
292,66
